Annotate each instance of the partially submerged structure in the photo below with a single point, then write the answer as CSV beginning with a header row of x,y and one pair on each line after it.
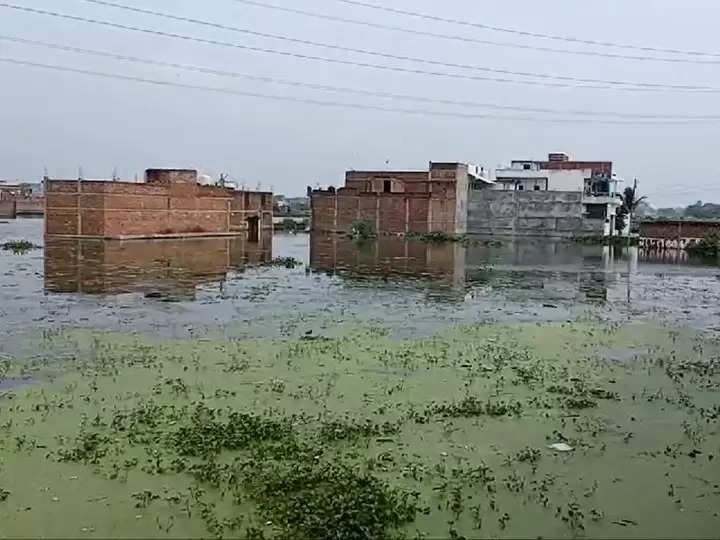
x,y
433,200
559,197
22,199
169,204
662,234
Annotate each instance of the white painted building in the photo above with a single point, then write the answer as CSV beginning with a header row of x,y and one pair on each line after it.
x,y
599,186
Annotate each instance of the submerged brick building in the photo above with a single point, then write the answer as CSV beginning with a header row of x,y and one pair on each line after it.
x,y
396,201
170,203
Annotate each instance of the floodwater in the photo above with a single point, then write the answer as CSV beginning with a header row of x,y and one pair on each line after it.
x,y
175,288
205,388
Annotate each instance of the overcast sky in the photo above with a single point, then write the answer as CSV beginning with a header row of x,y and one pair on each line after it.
x,y
64,120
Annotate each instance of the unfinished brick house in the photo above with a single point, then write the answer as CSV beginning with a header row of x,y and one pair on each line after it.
x,y
396,202
170,203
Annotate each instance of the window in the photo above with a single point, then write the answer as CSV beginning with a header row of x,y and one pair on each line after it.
x,y
536,187
526,166
387,186
521,187
596,211
262,200
247,199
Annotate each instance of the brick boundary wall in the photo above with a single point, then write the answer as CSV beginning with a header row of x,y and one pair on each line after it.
x,y
675,234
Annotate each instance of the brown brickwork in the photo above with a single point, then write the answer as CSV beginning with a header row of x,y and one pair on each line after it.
x,y
675,234
171,176
7,209
396,202
602,168
171,203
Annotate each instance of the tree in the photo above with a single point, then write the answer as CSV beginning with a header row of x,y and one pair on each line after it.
x,y
630,204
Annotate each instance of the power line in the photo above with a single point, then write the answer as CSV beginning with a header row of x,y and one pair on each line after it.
x,y
465,39
383,67
354,91
289,53
335,104
525,33
652,86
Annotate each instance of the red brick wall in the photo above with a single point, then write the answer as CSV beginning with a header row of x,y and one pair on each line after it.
x,y
420,201
7,209
171,176
116,209
247,204
418,215
324,208
597,167
392,214
672,230
30,205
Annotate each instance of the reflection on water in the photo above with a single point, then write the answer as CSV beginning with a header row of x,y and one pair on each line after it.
x,y
387,256
674,256
556,270
168,268
411,287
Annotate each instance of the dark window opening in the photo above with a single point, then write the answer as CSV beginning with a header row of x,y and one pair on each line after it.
x,y
246,199
521,187
262,201
387,186
526,166
536,188
596,211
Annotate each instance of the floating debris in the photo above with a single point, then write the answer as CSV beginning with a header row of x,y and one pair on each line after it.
x,y
561,447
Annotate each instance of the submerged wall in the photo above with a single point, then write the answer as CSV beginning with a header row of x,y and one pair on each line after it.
x,y
529,213
674,233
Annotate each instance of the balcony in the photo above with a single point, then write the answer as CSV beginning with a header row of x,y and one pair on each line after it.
x,y
594,196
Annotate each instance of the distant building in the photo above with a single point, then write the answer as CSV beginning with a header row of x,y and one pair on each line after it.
x,y
170,203
559,197
21,199
663,234
396,202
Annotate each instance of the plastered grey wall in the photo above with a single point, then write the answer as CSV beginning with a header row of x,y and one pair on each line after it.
x,y
531,213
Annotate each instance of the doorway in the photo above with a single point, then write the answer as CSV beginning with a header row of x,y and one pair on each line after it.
x,y
253,228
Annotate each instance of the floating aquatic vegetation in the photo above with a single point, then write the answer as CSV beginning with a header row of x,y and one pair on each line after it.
x,y
18,247
463,433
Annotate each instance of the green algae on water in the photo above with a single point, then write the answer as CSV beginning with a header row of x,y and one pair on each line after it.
x,y
363,435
